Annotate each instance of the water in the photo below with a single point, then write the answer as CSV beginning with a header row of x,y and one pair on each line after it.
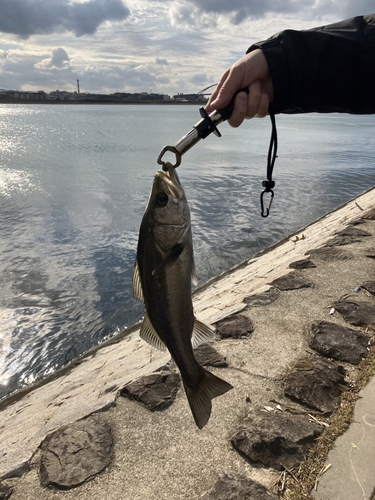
x,y
74,182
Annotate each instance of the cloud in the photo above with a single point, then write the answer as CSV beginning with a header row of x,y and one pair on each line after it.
x,y
168,46
161,62
249,8
59,59
30,17
199,79
195,12
182,14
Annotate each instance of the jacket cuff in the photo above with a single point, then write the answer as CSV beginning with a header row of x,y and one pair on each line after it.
x,y
278,67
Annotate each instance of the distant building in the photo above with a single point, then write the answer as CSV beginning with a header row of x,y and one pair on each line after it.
x,y
40,95
190,98
59,95
75,96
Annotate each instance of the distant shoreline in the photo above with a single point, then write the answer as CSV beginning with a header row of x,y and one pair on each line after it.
x,y
25,101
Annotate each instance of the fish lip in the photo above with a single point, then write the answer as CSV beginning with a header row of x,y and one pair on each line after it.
x,y
171,180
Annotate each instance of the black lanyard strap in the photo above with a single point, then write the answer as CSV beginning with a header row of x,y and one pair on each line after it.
x,y
269,184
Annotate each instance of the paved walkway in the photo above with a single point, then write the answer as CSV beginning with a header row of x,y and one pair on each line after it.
x,y
352,459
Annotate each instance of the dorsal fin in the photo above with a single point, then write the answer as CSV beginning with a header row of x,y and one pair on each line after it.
x,y
201,334
148,334
137,286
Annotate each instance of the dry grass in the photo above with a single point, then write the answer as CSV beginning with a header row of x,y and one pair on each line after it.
x,y
297,484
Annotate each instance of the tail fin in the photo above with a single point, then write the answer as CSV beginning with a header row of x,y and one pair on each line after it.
x,y
200,396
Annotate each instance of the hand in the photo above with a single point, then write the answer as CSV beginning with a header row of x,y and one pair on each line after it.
x,y
250,71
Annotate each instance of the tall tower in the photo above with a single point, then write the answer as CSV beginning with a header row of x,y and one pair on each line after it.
x,y
77,85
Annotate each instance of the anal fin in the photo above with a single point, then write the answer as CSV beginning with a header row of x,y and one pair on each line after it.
x,y
201,334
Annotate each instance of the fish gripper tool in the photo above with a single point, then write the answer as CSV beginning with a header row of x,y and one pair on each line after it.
x,y
200,130
206,126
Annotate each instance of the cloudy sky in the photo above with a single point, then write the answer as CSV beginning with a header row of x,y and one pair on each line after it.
x,y
164,46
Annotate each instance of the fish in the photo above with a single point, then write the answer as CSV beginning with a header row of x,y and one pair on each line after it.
x,y
162,279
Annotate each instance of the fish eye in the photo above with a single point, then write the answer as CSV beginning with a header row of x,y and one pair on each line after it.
x,y
161,199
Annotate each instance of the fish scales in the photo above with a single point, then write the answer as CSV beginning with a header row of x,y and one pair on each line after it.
x,y
162,279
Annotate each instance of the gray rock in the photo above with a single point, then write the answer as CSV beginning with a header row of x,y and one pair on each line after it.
x,y
357,222
291,281
206,355
22,468
329,253
370,254
235,327
369,286
262,299
75,453
156,391
236,487
302,264
275,440
342,240
339,342
5,491
356,313
348,235
353,232
315,382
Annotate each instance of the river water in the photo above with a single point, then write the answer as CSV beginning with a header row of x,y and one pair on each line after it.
x,y
74,183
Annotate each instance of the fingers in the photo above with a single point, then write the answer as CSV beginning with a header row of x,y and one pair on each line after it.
x,y
264,104
247,106
254,99
239,111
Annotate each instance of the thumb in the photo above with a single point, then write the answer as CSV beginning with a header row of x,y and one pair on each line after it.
x,y
243,73
233,80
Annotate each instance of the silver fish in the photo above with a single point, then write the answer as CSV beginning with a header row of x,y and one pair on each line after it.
x,y
163,274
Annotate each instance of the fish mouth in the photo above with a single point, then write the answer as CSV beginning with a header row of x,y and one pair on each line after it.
x,y
172,181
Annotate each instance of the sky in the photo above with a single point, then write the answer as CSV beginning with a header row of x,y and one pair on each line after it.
x,y
164,47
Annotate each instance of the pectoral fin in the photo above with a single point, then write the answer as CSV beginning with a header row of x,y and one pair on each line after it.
x,y
149,334
170,258
201,334
194,278
137,286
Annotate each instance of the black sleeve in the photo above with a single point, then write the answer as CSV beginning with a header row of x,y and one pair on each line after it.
x,y
325,70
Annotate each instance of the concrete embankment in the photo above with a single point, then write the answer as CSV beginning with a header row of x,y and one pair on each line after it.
x,y
161,454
